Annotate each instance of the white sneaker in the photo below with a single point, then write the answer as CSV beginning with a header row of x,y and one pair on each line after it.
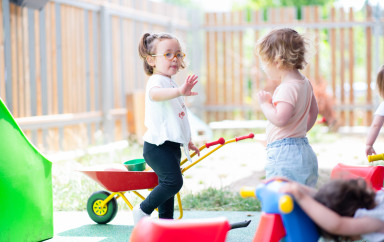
x,y
138,214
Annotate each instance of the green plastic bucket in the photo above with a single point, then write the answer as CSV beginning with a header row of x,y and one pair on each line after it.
x,y
135,165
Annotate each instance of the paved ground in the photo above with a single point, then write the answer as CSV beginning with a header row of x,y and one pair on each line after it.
x,y
77,226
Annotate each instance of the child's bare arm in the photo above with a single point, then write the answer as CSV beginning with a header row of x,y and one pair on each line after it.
x,y
329,220
313,112
163,94
280,114
373,133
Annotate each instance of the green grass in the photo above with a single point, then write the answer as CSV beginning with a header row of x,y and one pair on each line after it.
x,y
212,199
71,189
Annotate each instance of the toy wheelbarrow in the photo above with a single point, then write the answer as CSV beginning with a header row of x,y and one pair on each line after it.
x,y
102,205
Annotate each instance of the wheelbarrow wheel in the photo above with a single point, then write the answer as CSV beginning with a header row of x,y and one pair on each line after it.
x,y
96,212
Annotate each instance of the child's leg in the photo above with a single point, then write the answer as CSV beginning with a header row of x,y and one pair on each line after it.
x,y
165,161
167,208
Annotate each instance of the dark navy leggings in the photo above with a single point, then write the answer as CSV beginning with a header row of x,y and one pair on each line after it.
x,y
165,161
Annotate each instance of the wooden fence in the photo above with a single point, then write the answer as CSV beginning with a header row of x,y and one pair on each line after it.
x,y
348,48
71,74
68,70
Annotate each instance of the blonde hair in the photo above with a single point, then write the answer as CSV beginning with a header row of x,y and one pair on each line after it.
x,y
380,81
286,47
147,47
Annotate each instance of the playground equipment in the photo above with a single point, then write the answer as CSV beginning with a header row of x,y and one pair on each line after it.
x,y
373,175
282,217
102,205
372,158
25,185
188,230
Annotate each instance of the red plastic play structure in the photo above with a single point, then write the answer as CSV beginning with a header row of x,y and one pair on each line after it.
x,y
373,175
188,230
271,228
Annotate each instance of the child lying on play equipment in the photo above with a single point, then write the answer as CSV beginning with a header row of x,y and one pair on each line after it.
x,y
343,209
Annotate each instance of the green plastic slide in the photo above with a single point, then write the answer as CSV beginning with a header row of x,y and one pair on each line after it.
x,y
25,185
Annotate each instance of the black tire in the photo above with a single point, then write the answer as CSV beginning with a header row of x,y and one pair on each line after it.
x,y
101,215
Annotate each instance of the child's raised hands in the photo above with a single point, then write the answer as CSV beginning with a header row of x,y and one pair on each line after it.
x,y
264,97
186,88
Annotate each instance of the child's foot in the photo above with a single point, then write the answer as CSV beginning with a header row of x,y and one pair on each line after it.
x,y
138,214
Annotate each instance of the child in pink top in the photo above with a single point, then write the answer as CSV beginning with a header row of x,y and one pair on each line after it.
x,y
291,111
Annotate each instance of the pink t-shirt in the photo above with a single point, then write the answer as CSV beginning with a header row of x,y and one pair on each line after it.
x,y
298,93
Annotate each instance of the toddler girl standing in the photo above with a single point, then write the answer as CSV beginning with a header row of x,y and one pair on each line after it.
x,y
166,120
291,111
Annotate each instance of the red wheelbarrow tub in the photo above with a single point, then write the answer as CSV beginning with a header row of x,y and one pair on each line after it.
x,y
117,180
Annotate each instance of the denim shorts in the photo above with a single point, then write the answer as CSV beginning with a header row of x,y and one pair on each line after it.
x,y
294,159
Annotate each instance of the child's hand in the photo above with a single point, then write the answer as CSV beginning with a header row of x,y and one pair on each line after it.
x,y
369,150
264,97
186,88
292,188
191,146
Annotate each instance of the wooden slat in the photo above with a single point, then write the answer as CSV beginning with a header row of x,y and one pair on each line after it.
x,y
49,49
2,56
233,61
368,45
39,110
307,19
351,69
256,74
342,67
116,38
55,96
82,60
333,53
20,62
215,65
241,59
208,49
97,61
90,47
43,62
65,49
130,54
14,59
224,67
316,65
26,70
